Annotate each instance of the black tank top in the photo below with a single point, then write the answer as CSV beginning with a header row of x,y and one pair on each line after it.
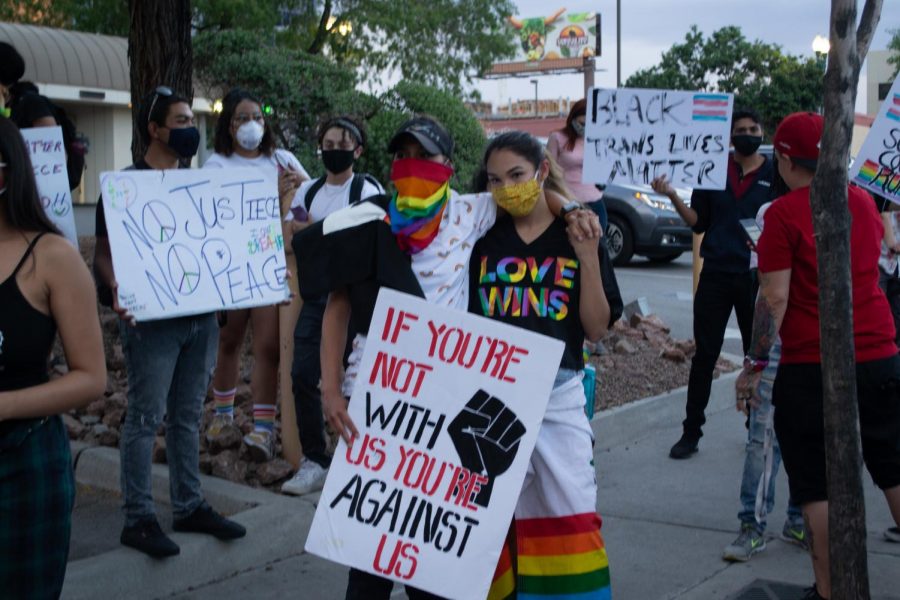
x,y
26,335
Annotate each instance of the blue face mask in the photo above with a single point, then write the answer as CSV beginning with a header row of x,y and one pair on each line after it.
x,y
579,128
184,141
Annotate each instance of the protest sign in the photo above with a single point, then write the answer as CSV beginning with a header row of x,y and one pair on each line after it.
x,y
877,166
448,407
48,157
190,241
635,135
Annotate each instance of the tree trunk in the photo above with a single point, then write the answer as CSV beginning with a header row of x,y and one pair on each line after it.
x,y
159,53
831,223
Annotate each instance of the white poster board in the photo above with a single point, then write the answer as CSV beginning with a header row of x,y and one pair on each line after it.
x,y
877,166
189,241
448,407
48,157
635,135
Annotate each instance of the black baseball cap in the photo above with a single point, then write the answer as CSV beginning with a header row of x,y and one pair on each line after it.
x,y
428,132
12,66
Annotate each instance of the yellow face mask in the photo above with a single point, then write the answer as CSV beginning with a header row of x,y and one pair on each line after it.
x,y
518,199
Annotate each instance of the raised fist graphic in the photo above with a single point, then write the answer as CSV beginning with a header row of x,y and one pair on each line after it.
x,y
486,436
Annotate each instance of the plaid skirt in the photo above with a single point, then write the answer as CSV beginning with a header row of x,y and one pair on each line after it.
x,y
37,493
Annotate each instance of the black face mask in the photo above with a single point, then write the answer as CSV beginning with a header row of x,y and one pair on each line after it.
x,y
337,161
184,141
746,145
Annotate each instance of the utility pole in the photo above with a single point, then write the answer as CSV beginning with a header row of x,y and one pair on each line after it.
x,y
618,43
534,82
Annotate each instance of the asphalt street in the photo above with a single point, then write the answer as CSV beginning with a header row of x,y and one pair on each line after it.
x,y
667,288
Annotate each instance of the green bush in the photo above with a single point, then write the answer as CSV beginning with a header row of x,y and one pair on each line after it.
x,y
305,89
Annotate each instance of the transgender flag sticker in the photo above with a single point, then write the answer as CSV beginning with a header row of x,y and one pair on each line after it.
x,y
710,107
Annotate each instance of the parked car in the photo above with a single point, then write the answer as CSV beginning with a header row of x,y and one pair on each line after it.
x,y
645,223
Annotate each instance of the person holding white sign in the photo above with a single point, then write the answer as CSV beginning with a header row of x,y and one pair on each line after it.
x,y
528,271
245,139
169,363
45,288
420,241
725,281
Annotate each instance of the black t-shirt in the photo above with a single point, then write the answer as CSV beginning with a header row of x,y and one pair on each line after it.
x,y
536,286
104,293
359,254
724,246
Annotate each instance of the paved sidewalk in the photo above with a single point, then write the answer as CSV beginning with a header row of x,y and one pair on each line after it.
x,y
665,523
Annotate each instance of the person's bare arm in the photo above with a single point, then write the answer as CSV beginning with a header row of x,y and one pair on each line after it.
x,y
662,186
73,305
890,239
331,355
593,306
771,305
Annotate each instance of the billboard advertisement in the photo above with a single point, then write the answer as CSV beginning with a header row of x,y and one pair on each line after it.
x,y
557,41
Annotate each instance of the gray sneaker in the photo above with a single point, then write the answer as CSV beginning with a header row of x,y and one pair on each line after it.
x,y
795,533
748,543
309,478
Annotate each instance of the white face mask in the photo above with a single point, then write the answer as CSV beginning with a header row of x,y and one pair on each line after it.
x,y
249,135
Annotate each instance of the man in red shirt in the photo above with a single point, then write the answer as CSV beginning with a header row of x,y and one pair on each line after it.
x,y
789,304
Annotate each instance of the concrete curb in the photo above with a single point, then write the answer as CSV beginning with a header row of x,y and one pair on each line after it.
x,y
642,418
277,527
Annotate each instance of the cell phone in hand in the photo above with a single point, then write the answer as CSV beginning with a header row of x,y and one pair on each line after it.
x,y
300,213
751,230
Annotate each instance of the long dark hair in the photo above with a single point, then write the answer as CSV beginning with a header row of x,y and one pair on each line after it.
x,y
224,142
530,148
20,203
578,109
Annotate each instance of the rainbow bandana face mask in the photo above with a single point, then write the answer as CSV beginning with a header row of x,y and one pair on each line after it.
x,y
518,199
415,211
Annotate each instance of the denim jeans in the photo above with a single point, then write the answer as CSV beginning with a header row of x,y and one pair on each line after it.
x,y
717,294
763,456
170,365
305,374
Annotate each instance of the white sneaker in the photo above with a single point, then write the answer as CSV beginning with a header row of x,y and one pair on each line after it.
x,y
309,478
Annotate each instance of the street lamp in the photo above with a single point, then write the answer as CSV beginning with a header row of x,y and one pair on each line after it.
x,y
534,82
821,46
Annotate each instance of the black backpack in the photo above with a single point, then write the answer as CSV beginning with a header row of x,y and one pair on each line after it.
x,y
359,179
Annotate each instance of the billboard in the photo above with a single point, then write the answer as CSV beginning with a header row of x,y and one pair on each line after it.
x,y
559,41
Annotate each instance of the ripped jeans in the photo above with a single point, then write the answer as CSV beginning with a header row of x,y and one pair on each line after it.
x,y
169,365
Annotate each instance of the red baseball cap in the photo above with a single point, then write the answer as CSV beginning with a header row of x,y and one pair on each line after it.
x,y
799,136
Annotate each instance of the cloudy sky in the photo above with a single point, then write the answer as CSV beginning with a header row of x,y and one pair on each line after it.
x,y
649,27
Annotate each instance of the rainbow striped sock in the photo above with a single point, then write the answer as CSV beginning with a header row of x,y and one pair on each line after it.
x,y
224,401
264,417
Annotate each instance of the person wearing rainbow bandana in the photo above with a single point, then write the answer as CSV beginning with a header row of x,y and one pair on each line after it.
x,y
420,240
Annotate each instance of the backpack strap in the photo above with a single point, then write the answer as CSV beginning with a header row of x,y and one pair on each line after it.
x,y
356,187
359,181
312,191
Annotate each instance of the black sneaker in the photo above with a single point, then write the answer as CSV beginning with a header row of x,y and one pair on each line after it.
x,y
684,447
811,593
205,520
149,538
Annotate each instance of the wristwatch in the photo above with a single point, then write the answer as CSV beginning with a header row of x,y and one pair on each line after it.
x,y
571,207
755,365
